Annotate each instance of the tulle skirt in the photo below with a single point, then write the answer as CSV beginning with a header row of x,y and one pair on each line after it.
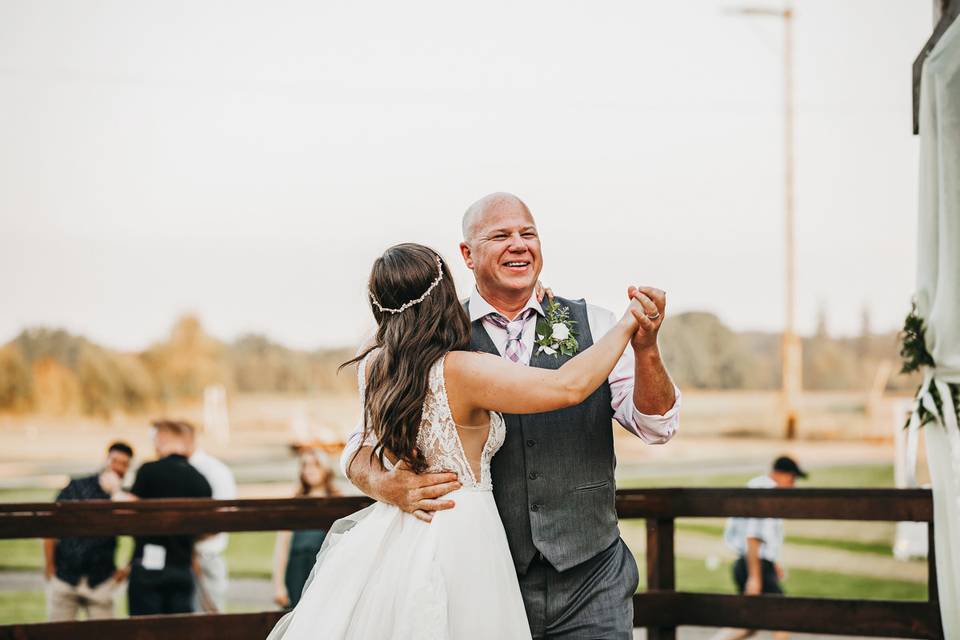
x,y
393,576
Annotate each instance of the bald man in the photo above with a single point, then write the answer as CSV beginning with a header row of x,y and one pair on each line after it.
x,y
553,478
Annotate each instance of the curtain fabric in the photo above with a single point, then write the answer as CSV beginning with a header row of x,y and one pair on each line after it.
x,y
938,303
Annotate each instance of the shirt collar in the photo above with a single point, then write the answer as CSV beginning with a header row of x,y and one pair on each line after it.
x,y
480,308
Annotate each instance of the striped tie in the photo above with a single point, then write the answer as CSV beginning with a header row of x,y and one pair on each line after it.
x,y
514,349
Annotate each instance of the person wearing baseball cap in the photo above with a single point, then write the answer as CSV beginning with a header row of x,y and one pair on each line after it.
x,y
787,465
757,543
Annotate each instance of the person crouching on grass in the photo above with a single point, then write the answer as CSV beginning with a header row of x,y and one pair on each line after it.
x,y
757,543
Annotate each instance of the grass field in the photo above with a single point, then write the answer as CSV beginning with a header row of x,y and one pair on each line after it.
x,y
846,476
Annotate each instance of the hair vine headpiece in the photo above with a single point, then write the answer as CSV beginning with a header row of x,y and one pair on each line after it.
x,y
411,303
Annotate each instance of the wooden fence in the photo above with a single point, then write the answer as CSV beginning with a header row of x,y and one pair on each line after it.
x,y
661,609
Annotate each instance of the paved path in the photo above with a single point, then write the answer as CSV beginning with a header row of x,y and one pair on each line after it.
x,y
244,593
711,548
697,545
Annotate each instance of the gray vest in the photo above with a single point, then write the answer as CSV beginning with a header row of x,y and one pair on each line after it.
x,y
553,476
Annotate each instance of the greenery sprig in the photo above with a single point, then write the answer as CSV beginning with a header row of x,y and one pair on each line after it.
x,y
913,350
913,346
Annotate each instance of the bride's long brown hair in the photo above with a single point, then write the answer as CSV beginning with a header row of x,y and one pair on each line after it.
x,y
410,342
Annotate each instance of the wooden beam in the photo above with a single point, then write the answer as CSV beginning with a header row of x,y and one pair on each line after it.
x,y
948,12
893,505
191,517
877,618
171,517
236,626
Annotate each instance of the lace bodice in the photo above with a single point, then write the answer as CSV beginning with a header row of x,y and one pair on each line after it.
x,y
439,437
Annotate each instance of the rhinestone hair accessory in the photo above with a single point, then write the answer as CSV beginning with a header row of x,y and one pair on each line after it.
x,y
411,303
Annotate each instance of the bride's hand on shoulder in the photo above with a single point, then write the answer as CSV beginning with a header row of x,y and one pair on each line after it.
x,y
543,291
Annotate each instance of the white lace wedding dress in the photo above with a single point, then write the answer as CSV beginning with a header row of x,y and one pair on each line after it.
x,y
393,576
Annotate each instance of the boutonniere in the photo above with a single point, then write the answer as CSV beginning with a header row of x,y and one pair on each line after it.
x,y
555,334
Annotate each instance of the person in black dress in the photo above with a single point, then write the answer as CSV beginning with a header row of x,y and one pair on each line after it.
x,y
296,552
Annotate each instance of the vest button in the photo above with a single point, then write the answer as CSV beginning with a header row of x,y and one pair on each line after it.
x,y
534,508
530,443
533,475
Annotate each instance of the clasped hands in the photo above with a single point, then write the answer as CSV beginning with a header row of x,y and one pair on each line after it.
x,y
654,304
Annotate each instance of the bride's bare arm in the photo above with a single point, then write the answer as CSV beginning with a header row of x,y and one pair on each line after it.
x,y
486,382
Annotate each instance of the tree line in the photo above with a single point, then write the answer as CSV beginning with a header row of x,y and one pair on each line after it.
x,y
53,371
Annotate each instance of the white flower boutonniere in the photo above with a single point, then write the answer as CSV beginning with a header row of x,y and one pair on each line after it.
x,y
555,334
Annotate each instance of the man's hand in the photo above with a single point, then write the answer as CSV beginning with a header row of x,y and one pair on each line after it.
x,y
110,482
654,303
754,585
417,494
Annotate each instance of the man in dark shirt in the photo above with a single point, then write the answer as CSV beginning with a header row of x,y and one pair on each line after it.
x,y
81,572
161,579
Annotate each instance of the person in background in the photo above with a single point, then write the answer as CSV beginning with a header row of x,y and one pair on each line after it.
x,y
161,577
82,573
757,543
211,569
295,552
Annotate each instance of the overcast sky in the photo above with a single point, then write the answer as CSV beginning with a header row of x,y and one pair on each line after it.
x,y
247,160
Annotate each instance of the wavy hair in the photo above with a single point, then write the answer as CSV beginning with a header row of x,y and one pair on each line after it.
x,y
409,343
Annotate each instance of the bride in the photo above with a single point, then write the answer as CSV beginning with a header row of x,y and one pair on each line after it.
x,y
430,404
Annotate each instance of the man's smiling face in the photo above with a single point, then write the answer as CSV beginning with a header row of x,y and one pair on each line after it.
x,y
502,248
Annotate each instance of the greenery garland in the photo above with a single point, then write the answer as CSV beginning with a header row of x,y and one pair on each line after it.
x,y
913,350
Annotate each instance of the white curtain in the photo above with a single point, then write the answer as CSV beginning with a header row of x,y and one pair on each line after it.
x,y
938,302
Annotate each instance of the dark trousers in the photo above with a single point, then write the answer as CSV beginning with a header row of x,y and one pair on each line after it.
x,y
592,600
768,574
153,592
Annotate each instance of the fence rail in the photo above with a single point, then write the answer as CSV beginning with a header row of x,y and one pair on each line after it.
x,y
661,608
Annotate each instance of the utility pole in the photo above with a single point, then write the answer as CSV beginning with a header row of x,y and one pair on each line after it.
x,y
791,347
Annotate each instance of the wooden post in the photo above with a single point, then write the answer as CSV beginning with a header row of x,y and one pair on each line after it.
x,y
792,346
661,568
933,592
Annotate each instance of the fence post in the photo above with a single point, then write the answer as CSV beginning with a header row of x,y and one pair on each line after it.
x,y
660,568
933,593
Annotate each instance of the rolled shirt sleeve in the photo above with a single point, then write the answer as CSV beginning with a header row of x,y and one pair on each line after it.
x,y
769,531
652,429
